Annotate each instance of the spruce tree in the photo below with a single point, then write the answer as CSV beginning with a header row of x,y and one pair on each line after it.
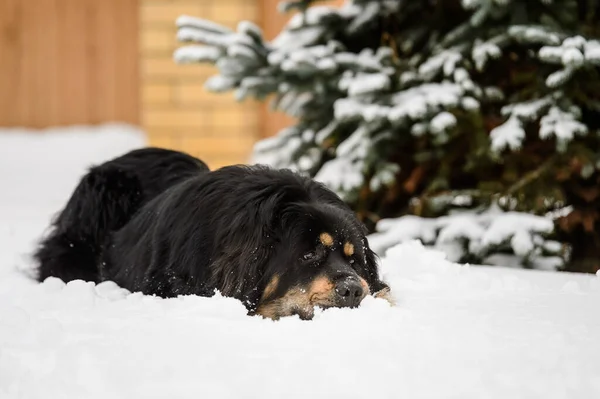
x,y
476,122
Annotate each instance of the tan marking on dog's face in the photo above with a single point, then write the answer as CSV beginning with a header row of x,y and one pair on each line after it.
x,y
348,249
364,285
300,300
326,239
321,290
271,287
295,301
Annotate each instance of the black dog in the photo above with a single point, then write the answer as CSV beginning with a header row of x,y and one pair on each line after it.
x,y
159,222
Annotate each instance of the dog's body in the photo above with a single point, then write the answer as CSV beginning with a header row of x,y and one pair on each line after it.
x,y
159,222
103,202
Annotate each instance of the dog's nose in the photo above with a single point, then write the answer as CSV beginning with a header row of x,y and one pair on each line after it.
x,y
349,293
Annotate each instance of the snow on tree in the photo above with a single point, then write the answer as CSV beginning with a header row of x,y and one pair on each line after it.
x,y
405,106
491,237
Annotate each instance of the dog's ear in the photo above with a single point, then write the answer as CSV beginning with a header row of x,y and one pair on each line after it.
x,y
375,283
379,289
247,240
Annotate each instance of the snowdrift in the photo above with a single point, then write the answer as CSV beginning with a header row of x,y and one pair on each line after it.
x,y
458,331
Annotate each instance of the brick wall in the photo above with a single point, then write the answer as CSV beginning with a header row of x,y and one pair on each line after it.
x,y
177,112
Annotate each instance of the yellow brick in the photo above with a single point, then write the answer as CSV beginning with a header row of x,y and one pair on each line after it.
x,y
220,161
153,12
169,141
252,11
230,13
178,112
157,93
239,144
166,67
162,131
158,39
216,151
215,161
194,93
191,93
174,118
237,117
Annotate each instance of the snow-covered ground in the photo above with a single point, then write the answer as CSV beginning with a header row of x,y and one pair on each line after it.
x,y
457,331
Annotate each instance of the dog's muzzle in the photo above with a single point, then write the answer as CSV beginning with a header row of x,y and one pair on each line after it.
x,y
348,293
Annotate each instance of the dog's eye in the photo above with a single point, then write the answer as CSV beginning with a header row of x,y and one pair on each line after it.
x,y
309,255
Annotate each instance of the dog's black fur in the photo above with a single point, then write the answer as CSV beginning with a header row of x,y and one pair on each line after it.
x,y
159,222
103,202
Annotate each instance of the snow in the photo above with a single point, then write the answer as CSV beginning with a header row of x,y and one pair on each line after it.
x,y
385,176
58,157
533,34
274,151
445,60
350,108
303,37
551,54
471,4
457,331
572,57
342,175
345,173
326,65
442,122
592,51
220,83
469,104
212,38
365,84
573,52
481,232
196,53
368,13
574,42
293,102
482,51
562,125
366,60
509,134
559,78
553,121
201,23
503,225
529,110
512,133
250,28
313,16
356,145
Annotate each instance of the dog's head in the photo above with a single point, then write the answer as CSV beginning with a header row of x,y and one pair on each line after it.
x,y
322,260
283,243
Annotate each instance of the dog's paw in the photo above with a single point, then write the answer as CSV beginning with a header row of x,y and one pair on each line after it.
x,y
385,294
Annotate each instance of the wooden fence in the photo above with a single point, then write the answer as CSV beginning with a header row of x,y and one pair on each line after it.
x,y
68,62
65,62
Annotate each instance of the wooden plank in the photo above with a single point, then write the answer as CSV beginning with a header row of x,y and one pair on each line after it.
x,y
73,36
127,66
10,38
101,59
44,69
26,75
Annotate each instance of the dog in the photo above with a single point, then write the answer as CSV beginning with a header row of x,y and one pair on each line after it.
x,y
160,222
